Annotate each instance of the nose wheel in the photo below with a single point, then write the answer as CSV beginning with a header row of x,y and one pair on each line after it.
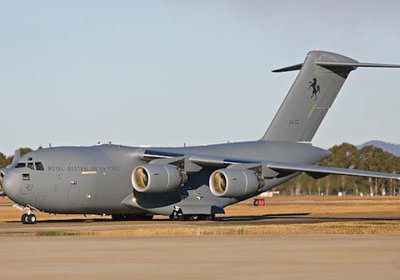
x,y
28,219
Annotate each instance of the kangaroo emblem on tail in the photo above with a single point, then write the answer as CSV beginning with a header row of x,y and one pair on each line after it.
x,y
315,88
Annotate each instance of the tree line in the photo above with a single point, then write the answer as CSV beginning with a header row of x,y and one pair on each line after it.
x,y
6,160
346,156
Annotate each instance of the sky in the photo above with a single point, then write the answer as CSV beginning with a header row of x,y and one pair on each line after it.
x,y
165,73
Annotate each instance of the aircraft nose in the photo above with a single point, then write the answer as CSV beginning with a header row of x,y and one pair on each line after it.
x,y
10,183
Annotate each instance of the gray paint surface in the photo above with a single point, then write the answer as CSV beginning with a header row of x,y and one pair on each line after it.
x,y
309,98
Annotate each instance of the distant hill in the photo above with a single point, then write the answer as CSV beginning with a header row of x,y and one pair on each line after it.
x,y
388,147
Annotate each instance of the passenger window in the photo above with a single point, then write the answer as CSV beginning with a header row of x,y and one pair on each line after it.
x,y
39,166
20,165
30,165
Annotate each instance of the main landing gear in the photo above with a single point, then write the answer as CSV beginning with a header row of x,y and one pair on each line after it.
x,y
177,215
28,219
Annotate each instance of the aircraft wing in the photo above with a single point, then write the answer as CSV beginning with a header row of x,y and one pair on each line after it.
x,y
318,171
282,168
202,160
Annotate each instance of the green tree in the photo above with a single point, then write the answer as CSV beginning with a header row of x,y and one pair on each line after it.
x,y
348,156
4,161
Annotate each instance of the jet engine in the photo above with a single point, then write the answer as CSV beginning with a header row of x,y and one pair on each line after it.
x,y
233,182
157,178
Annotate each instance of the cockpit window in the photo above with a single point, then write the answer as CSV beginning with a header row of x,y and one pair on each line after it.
x,y
30,165
20,165
39,166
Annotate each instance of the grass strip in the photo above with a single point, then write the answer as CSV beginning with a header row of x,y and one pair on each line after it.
x,y
366,228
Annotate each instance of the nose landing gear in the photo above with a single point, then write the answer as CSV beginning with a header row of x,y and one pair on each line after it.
x,y
28,219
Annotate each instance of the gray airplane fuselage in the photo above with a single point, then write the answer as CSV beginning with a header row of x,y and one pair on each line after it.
x,y
189,182
97,179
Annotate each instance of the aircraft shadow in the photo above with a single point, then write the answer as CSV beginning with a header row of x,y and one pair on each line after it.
x,y
287,218
219,219
74,220
301,218
259,217
80,220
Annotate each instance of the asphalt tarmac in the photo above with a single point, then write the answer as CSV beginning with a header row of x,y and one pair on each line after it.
x,y
303,212
216,257
28,252
14,227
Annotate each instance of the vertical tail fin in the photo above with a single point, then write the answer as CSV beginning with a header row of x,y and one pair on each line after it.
x,y
312,94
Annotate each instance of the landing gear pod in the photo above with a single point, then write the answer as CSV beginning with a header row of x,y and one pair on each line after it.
x,y
233,182
156,178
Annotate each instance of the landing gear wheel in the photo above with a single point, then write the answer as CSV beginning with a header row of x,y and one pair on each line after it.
x,y
24,218
28,219
31,219
200,217
177,215
193,217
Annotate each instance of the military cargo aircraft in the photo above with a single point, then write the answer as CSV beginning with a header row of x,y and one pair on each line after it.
x,y
187,183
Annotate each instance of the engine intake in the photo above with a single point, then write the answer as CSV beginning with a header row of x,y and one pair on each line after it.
x,y
233,182
156,178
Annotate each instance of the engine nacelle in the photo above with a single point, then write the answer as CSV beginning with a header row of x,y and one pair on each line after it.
x,y
233,182
156,178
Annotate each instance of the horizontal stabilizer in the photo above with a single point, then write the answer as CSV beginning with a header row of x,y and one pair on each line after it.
x,y
333,64
355,65
289,68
